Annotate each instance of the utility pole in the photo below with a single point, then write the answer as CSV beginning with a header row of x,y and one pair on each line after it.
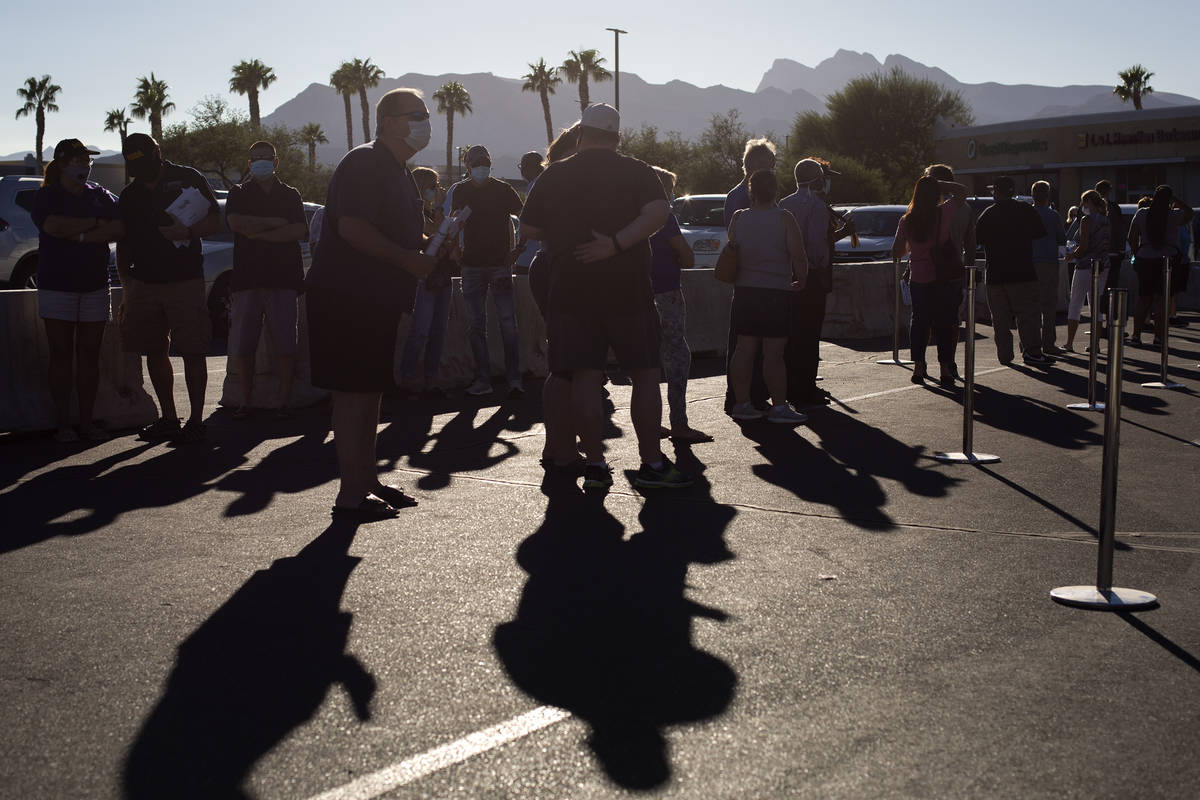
x,y
617,64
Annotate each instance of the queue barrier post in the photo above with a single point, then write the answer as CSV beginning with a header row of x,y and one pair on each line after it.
x,y
1094,347
968,455
895,360
1104,596
1164,332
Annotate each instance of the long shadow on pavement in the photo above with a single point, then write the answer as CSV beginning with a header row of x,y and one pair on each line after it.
x,y
1150,632
604,628
260,666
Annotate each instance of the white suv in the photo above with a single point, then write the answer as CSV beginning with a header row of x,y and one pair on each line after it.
x,y
18,234
702,220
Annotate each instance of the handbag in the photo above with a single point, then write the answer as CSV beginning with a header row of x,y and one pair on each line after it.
x,y
946,257
726,268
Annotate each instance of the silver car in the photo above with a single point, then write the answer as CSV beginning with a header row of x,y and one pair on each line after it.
x,y
18,234
702,220
875,227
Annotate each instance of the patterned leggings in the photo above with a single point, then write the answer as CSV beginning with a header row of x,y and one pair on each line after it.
x,y
676,357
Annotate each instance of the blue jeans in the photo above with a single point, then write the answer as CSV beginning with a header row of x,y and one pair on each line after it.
x,y
934,307
475,284
428,331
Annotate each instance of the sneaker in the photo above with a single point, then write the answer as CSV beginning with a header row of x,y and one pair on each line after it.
x,y
745,411
1037,359
193,431
1053,350
919,373
815,397
160,430
786,415
668,477
597,476
479,387
1134,339
516,387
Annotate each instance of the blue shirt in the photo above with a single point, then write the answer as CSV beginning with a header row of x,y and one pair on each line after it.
x,y
664,263
737,199
1045,249
68,265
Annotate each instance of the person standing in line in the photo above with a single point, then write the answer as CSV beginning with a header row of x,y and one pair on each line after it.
x,y
670,253
595,213
76,219
1007,230
962,233
927,224
431,309
364,277
487,266
267,219
1090,252
1045,264
1118,231
772,265
162,280
1153,238
531,167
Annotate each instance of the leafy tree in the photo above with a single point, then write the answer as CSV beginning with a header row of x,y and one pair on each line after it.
x,y
343,82
248,78
582,66
718,166
857,183
542,79
39,97
312,135
151,100
885,121
452,99
365,75
1134,85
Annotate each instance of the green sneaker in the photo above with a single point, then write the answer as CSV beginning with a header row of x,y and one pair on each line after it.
x,y
666,478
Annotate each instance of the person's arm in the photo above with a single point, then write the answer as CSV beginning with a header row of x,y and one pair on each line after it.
x,y
1060,233
603,246
63,227
900,243
1085,235
249,225
683,253
797,253
1188,211
109,230
124,262
1135,236
957,190
366,238
290,232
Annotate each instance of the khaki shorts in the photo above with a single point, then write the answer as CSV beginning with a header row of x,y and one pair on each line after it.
x,y
158,315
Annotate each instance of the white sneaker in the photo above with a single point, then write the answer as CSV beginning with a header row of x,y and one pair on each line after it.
x,y
785,415
479,387
745,411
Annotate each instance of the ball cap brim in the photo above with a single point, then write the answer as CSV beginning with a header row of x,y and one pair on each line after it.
x,y
69,148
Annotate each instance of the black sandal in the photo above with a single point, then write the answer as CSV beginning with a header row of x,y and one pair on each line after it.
x,y
371,509
394,496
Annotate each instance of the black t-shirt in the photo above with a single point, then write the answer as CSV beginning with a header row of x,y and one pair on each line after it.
x,y
156,259
488,232
603,191
259,264
1007,230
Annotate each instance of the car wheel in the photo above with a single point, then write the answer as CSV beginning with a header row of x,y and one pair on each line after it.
x,y
220,308
24,275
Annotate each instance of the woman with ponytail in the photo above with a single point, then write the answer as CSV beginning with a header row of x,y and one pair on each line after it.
x,y
1153,238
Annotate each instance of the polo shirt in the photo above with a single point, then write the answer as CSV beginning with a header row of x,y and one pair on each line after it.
x,y
737,199
259,264
487,234
1007,230
594,190
1045,249
156,259
68,265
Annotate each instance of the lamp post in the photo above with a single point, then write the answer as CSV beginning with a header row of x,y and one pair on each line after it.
x,y
617,65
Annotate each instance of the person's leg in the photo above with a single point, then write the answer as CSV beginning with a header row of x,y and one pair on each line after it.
x,y
944,320
1024,297
774,369
475,290
1001,310
245,326
1081,282
355,418
437,335
162,378
88,337
920,323
676,357
282,317
741,367
1047,273
588,412
418,332
506,313
60,336
195,376
645,410
803,350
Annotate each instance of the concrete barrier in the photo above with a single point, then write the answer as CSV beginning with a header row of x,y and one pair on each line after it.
x,y
25,403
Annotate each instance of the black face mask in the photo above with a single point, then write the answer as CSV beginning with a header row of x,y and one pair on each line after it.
x,y
144,168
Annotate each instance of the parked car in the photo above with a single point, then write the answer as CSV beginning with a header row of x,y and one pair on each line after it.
x,y
702,220
18,234
876,230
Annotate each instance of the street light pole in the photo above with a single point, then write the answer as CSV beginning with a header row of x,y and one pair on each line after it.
x,y
617,65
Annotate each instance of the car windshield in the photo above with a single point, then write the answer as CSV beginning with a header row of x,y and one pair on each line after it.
x,y
704,211
875,223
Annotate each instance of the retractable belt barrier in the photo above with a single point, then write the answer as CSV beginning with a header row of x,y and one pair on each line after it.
x,y
895,360
1164,331
1094,347
968,456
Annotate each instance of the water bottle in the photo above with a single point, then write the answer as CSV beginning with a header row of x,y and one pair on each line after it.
x,y
450,226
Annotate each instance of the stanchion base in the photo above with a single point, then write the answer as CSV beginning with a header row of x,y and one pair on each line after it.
x,y
966,458
899,362
1086,407
1114,599
1162,385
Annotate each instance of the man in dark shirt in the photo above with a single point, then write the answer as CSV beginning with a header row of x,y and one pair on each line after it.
x,y
1118,228
1007,230
487,265
595,213
162,277
267,219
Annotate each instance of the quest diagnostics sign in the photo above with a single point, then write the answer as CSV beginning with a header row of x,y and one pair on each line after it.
x,y
980,149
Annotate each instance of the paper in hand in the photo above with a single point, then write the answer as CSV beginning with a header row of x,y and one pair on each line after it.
x,y
190,207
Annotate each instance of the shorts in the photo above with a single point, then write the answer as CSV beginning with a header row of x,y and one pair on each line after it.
x,y
765,313
1150,276
249,306
158,315
351,341
581,341
75,306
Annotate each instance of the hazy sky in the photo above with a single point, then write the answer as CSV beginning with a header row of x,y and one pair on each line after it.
x,y
98,55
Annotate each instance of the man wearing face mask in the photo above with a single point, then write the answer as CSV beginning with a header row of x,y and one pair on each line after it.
x,y
363,277
486,266
162,276
267,219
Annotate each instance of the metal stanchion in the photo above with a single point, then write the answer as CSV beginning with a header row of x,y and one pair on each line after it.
x,y
1103,595
1094,347
1164,331
895,360
967,456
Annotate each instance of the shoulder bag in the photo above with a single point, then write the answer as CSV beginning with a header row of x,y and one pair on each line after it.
x,y
726,269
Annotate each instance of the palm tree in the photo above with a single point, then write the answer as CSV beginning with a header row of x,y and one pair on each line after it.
x,y
115,120
151,101
312,135
542,79
452,99
1134,85
366,76
39,97
343,82
582,66
248,78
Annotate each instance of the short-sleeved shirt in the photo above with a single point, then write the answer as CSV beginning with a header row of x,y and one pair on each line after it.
x,y
737,199
488,231
65,265
664,264
259,264
1170,245
1007,230
371,185
920,258
812,215
603,191
763,258
156,259
1045,249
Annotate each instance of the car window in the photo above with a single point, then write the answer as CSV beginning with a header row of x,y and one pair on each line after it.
x,y
875,223
706,212
25,199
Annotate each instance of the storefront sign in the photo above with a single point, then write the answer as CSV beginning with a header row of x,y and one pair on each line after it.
x,y
1121,138
1006,148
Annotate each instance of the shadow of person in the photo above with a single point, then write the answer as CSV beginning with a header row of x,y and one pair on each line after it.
x,y
604,629
1054,425
297,466
256,669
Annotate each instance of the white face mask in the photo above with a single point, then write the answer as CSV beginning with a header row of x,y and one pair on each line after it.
x,y
419,134
480,174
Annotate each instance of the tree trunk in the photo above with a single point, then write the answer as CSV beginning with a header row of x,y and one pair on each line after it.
x,y
1137,100
156,125
254,118
123,131
583,93
312,154
449,144
349,125
366,112
41,135
546,112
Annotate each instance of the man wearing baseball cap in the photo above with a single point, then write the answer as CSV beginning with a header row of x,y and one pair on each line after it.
x,y
595,213
162,276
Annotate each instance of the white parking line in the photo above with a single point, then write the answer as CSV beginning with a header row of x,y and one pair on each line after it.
x,y
905,388
447,755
